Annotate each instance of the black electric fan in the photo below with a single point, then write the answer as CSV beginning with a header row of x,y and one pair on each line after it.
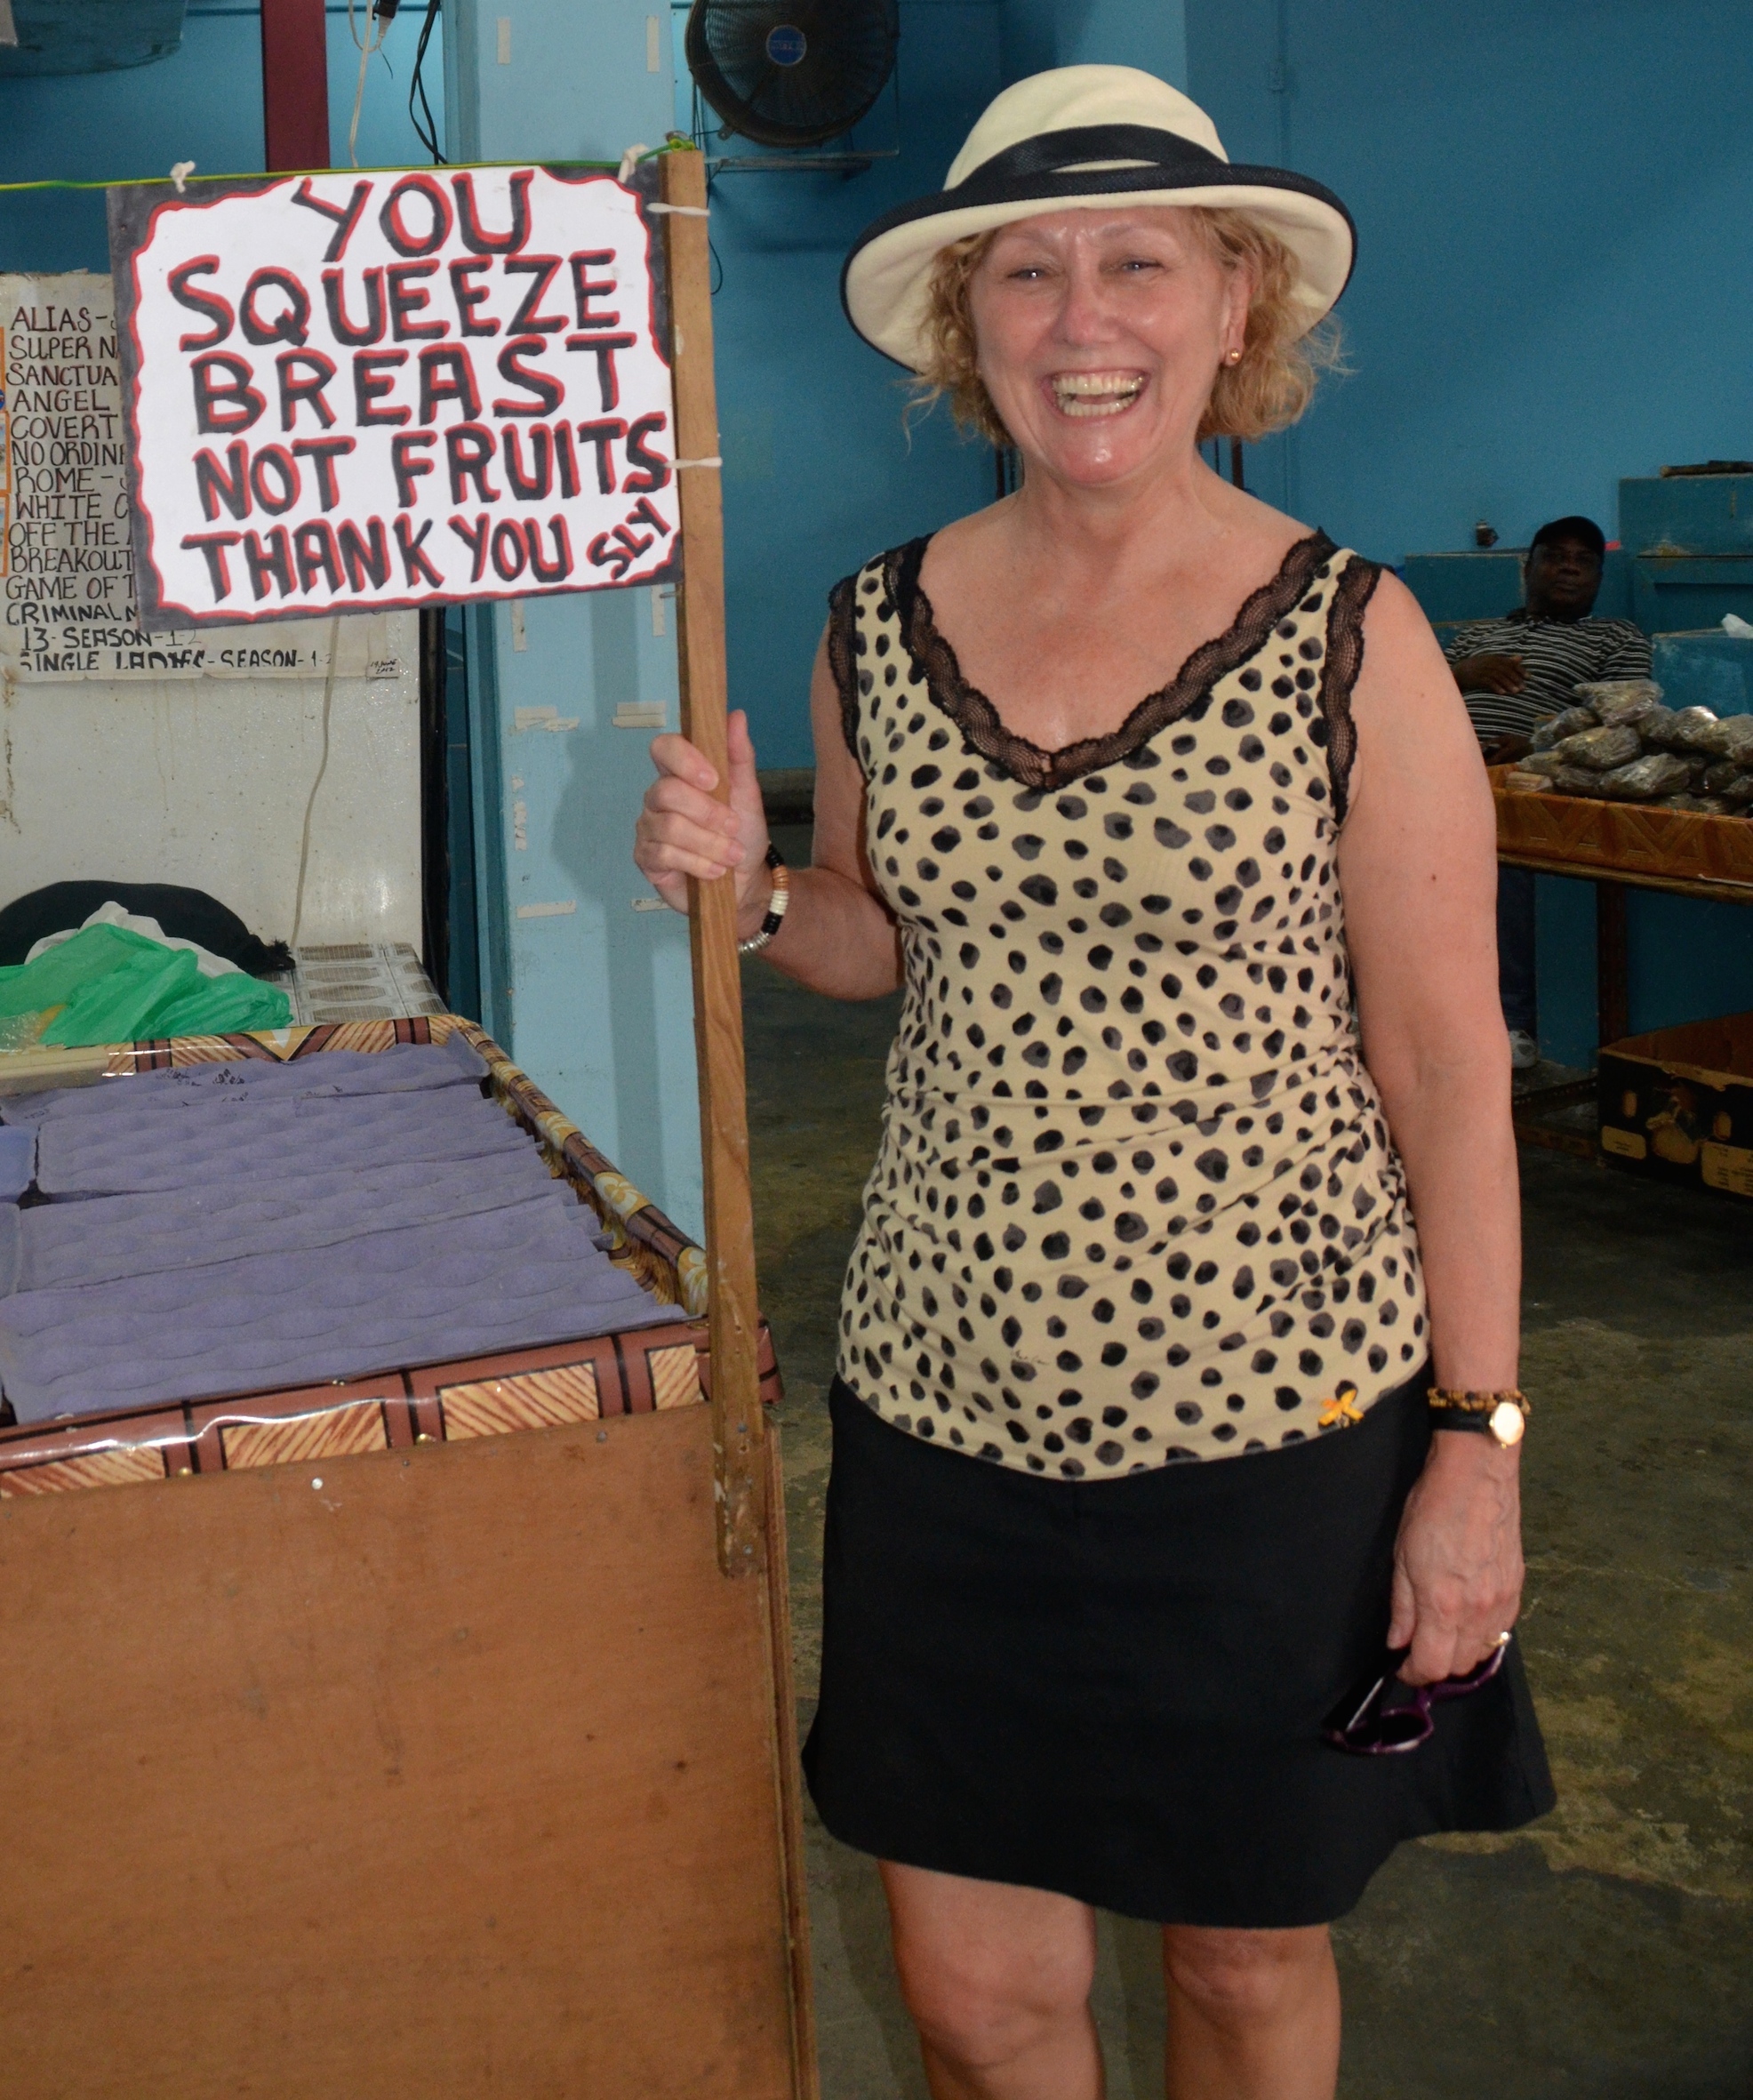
x,y
791,72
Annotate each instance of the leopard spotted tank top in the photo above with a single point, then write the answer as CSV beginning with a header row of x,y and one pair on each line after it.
x,y
1135,1202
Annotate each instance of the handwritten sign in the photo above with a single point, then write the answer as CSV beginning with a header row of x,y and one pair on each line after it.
x,y
352,391
67,608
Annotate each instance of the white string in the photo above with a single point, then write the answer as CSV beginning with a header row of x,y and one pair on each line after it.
x,y
682,211
630,160
181,171
322,767
376,30
714,461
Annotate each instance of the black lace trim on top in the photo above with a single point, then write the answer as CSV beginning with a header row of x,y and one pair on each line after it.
x,y
977,718
1339,674
842,640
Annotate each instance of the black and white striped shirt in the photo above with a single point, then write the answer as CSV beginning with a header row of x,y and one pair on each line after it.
x,y
1556,654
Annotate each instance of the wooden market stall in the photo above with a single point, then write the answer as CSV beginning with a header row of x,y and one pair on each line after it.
x,y
1618,846
428,1732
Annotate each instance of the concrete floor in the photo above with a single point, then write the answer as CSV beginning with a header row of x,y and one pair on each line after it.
x,y
1608,1953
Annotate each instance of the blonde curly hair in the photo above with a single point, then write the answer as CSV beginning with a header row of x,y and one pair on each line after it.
x,y
1269,388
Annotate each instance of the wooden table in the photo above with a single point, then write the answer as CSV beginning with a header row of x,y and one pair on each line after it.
x,y
1618,846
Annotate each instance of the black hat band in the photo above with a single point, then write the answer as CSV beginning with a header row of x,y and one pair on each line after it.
x,y
1057,153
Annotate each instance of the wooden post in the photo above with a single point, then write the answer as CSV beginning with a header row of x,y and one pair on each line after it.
x,y
295,84
1612,978
724,1115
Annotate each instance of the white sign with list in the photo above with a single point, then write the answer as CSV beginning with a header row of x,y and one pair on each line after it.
x,y
67,607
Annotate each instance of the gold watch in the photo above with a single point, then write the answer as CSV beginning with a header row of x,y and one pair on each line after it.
x,y
1502,1417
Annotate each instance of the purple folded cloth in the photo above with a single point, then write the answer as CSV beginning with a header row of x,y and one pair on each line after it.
x,y
508,1279
246,1081
53,1245
17,1163
127,1153
232,1228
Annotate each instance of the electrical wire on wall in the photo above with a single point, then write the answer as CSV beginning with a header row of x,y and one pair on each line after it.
x,y
379,16
322,768
427,133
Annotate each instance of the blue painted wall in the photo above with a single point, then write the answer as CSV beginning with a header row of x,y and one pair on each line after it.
x,y
1150,34
595,1001
203,104
1550,201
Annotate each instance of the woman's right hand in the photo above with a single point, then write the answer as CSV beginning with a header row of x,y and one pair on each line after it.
x,y
684,830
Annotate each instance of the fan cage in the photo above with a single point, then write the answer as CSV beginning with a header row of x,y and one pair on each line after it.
x,y
792,74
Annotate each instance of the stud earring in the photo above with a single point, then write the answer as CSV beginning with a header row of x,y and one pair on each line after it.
x,y
1234,357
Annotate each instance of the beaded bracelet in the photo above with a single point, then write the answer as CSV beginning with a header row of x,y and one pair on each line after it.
x,y
776,906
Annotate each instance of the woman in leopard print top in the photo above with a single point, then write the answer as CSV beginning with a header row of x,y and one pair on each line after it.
x,y
1132,1470
1135,1202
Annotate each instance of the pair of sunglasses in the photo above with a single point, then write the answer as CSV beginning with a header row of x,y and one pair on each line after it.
x,y
1384,1717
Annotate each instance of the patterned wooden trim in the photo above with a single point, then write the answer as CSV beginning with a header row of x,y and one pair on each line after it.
x,y
676,1376
636,1371
334,1432
537,1399
295,1423
163,1432
1679,844
119,1467
627,1371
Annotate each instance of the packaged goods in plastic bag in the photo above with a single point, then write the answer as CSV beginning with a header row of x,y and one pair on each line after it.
x,y
1737,793
1732,739
1576,780
1619,700
1695,729
1656,772
1660,728
1558,727
1710,741
1543,762
108,985
1599,749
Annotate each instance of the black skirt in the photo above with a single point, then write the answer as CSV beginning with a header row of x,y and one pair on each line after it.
x,y
1114,1688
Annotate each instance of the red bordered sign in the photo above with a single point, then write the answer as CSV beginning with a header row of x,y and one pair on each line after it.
x,y
349,392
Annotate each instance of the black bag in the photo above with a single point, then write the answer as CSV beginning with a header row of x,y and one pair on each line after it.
x,y
185,915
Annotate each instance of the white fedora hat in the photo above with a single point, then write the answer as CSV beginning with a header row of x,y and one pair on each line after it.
x,y
1083,136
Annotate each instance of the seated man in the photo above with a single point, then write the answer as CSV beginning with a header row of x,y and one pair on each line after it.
x,y
1513,674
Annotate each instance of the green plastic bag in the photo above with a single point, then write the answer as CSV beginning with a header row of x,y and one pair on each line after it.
x,y
108,985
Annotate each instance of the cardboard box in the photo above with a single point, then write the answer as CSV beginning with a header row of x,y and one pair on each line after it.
x,y
1678,1104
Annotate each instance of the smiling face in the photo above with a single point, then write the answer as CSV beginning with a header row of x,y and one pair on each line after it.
x,y
1100,333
